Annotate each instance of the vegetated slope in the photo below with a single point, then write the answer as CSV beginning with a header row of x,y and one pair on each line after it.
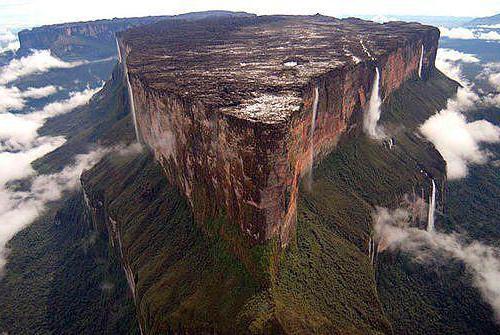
x,y
61,276
438,298
473,201
186,279
105,121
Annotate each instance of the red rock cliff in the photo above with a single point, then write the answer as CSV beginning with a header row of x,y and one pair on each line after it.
x,y
226,105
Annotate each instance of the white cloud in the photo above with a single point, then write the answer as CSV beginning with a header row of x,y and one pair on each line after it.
x,y
39,61
76,99
457,33
454,56
393,231
19,131
490,26
383,19
20,146
469,34
458,140
489,36
12,98
39,92
17,165
494,80
491,74
449,62
18,209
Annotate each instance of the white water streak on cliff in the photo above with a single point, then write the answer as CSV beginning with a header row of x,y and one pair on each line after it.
x,y
119,51
421,61
432,208
311,136
123,61
372,115
131,97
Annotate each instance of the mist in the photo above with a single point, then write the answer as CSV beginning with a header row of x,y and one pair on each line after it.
x,y
39,61
12,98
20,145
470,34
393,231
20,208
20,131
456,138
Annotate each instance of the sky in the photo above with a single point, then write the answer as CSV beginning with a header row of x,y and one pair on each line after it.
x,y
28,13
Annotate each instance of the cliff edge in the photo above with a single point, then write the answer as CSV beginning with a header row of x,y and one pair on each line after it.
x,y
237,110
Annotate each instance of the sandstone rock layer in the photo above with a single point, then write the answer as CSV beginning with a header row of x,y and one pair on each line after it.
x,y
226,104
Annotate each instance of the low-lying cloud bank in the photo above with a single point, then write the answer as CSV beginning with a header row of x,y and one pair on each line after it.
x,y
449,62
491,73
457,139
393,231
19,209
12,98
19,131
20,145
39,61
470,34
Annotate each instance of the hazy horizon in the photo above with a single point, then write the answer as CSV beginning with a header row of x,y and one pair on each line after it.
x,y
31,13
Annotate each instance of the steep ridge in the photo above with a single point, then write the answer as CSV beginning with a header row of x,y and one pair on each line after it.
x,y
226,107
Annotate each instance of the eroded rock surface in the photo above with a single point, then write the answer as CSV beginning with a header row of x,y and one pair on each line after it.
x,y
226,104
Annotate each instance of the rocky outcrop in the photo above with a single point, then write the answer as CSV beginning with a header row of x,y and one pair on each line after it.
x,y
226,105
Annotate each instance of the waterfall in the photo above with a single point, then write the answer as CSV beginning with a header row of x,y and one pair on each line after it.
x,y
123,61
432,208
132,104
420,63
119,51
372,115
311,136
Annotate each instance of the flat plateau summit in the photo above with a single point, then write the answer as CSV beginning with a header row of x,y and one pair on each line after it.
x,y
257,68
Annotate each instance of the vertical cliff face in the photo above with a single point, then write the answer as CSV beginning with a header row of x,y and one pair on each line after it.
x,y
228,115
186,281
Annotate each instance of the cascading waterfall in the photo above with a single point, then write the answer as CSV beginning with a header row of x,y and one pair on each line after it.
x,y
421,61
119,51
129,89
311,136
372,115
132,104
432,208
